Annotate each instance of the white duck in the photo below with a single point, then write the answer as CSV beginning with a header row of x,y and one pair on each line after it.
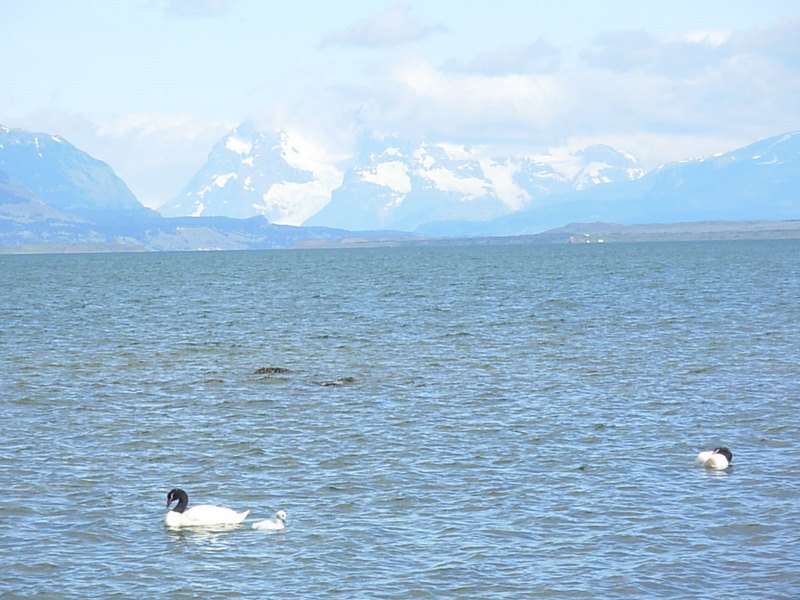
x,y
202,515
719,458
276,524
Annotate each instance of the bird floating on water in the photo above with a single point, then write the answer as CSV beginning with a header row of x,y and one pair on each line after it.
x,y
276,524
202,515
718,458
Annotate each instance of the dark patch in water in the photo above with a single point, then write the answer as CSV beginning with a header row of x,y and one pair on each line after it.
x,y
338,382
271,371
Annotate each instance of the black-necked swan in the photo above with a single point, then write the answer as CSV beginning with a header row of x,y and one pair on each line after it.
x,y
718,458
202,515
276,524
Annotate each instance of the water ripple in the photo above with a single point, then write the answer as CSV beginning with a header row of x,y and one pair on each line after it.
x,y
518,422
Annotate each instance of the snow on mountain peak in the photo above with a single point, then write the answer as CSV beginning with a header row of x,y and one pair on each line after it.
x,y
392,174
501,176
282,176
592,174
308,155
222,180
446,180
292,202
391,183
238,145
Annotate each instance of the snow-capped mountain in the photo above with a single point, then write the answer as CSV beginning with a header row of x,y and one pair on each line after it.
x,y
603,164
394,186
53,195
67,178
389,183
758,181
56,197
248,173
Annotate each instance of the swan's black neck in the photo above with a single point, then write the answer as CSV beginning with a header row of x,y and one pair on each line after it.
x,y
182,498
725,452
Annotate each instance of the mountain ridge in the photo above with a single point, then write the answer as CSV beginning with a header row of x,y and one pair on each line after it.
x,y
53,195
387,182
66,177
252,173
758,181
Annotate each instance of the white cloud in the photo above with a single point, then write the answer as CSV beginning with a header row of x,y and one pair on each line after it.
x,y
707,36
626,51
155,154
696,93
711,85
722,86
703,90
540,56
390,27
191,8
779,44
695,52
417,98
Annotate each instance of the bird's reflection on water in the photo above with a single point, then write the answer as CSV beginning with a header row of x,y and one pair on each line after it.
x,y
215,538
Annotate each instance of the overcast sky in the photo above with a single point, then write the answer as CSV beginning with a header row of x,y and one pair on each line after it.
x,y
149,85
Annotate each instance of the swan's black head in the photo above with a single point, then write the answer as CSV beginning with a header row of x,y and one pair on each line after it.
x,y
179,495
725,452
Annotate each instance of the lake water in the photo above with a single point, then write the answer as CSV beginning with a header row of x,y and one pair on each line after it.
x,y
520,422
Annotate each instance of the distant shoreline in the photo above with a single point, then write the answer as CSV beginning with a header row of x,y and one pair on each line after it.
x,y
574,233
587,233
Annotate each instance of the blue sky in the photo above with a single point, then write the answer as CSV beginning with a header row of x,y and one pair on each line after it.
x,y
149,85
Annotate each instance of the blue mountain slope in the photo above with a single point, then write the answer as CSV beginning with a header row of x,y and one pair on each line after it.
x,y
759,181
65,177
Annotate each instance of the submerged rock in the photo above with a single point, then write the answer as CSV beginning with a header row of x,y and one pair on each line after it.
x,y
338,382
271,371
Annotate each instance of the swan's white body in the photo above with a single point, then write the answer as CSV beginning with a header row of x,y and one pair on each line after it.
x,y
701,458
202,515
205,515
713,459
276,524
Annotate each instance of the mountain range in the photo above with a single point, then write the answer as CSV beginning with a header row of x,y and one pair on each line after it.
x,y
758,181
55,197
388,183
276,189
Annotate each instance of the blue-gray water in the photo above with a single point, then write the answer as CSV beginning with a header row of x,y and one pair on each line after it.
x,y
521,422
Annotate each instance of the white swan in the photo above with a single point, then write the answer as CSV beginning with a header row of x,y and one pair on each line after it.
x,y
202,515
719,458
276,524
